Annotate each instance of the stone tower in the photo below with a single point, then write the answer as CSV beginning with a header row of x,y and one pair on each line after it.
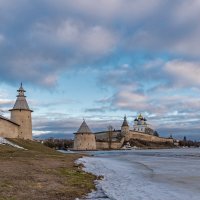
x,y
84,139
21,114
125,127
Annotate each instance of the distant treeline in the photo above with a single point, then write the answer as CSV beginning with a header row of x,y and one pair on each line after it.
x,y
64,144
189,143
60,144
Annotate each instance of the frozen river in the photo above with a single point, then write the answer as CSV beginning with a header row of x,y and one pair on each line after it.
x,y
146,174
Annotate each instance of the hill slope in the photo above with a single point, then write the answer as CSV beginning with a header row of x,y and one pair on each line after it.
x,y
40,173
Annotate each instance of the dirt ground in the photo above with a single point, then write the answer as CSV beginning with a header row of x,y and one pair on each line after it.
x,y
40,173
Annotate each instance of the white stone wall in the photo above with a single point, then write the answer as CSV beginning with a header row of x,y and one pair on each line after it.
x,y
8,129
146,137
140,128
106,145
23,118
105,135
84,141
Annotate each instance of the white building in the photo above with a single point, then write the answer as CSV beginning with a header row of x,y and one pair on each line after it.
x,y
141,125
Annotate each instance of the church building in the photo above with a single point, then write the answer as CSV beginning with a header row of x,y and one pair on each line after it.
x,y
20,123
141,125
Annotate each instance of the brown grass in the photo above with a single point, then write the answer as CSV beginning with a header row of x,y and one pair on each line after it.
x,y
40,173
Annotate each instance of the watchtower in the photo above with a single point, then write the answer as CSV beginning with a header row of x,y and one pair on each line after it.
x,y
21,114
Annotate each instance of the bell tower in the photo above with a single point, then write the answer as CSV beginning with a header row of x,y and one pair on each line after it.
x,y
21,114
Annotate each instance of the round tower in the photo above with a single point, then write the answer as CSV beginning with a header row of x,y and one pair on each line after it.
x,y
84,139
125,127
21,114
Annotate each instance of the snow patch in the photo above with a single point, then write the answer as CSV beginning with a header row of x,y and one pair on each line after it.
x,y
4,141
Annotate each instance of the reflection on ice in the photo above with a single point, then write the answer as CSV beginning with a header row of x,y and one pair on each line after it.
x,y
146,174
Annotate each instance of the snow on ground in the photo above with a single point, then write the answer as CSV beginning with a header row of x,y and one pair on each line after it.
x,y
4,141
146,174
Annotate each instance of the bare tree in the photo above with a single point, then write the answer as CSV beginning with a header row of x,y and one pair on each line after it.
x,y
110,134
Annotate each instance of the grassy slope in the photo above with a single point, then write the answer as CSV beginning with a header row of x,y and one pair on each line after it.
x,y
40,173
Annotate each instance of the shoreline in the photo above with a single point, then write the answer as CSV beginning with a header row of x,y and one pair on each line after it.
x,y
97,192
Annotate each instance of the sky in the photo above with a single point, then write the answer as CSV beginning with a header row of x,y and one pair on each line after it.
x,y
100,60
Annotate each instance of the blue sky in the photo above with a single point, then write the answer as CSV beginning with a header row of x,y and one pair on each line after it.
x,y
100,60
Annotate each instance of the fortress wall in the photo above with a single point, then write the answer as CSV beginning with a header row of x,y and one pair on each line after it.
x,y
102,145
101,136
114,145
23,118
84,141
146,137
8,129
105,145
105,135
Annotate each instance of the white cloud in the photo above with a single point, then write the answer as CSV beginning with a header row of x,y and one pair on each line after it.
x,y
6,102
83,39
184,72
130,100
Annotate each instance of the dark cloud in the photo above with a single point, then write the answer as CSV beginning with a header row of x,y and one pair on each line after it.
x,y
43,38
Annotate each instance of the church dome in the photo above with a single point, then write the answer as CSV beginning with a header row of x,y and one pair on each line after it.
x,y
140,117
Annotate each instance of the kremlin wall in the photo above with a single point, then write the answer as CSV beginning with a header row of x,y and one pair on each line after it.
x,y
115,139
20,126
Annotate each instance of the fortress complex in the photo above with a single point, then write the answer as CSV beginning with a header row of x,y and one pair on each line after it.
x,y
140,126
20,123
115,139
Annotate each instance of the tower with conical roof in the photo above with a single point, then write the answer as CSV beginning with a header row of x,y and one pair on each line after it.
x,y
21,114
84,138
125,127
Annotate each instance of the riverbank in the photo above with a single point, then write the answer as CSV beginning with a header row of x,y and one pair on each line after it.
x,y
38,172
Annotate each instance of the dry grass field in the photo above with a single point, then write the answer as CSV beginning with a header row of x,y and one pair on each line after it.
x,y
40,173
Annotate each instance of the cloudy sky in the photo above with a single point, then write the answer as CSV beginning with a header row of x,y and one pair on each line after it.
x,y
100,60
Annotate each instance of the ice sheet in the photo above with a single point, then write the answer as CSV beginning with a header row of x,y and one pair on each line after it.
x,y
146,174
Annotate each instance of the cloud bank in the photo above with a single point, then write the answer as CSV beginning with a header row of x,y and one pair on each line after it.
x,y
145,52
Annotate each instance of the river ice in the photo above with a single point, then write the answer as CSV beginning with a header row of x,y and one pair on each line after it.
x,y
146,174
